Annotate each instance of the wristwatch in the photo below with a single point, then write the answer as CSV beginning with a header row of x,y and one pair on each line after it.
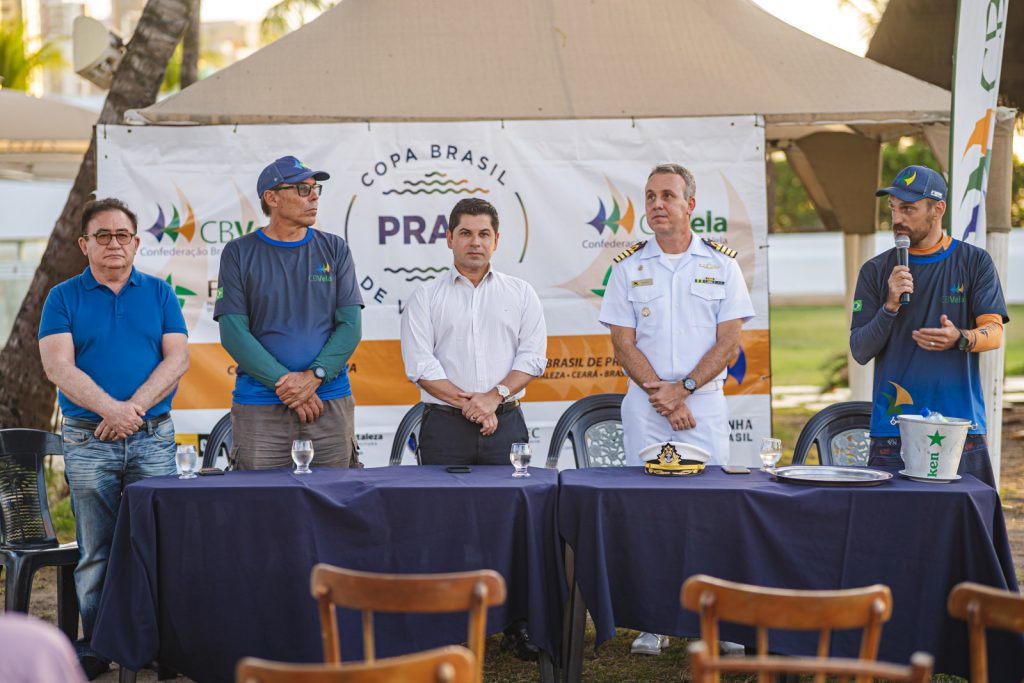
x,y
320,373
690,384
963,342
503,392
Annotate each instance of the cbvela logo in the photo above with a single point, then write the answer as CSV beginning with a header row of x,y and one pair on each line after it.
x,y
956,294
609,224
322,274
403,209
186,235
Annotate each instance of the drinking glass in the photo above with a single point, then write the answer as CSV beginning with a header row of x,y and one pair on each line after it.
x,y
185,456
520,457
302,455
771,452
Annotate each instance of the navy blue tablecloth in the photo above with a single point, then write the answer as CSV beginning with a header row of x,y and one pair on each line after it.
x,y
206,571
636,538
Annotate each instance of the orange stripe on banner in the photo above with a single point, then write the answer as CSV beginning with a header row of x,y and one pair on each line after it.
x,y
578,366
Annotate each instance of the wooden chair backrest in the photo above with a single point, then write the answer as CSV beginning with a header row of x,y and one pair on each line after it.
x,y
445,665
985,607
706,668
764,608
369,592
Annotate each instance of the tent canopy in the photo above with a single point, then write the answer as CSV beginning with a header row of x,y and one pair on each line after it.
x,y
395,60
41,137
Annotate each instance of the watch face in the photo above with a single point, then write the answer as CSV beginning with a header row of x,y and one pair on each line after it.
x,y
319,373
690,384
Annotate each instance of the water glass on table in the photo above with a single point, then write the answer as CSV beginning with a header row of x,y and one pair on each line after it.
x,y
302,455
185,456
771,453
520,457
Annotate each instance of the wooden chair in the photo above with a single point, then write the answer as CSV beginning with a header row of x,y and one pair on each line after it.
x,y
445,665
982,607
706,668
796,610
369,592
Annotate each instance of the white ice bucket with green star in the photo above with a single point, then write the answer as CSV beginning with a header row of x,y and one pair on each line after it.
x,y
931,449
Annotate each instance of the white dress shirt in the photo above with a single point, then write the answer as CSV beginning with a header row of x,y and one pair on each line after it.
x,y
473,336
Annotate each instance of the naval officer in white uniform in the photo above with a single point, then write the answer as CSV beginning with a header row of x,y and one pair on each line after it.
x,y
675,306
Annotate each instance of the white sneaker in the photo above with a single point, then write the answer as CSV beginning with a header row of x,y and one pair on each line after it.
x,y
649,644
728,649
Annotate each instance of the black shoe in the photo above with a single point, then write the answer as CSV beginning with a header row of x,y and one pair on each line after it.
x,y
517,642
94,667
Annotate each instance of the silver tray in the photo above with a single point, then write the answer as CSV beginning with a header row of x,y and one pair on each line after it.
x,y
825,475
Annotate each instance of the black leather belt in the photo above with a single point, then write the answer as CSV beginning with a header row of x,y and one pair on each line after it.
x,y
147,425
451,410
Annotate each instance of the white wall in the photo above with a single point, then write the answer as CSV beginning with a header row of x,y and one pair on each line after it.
x,y
805,268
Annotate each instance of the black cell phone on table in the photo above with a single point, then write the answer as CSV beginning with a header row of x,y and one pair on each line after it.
x,y
210,471
458,469
735,469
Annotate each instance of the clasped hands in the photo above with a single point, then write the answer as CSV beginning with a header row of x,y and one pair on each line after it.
x,y
669,400
120,420
297,390
479,407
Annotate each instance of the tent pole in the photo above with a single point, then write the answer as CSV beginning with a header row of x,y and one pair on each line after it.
x,y
997,210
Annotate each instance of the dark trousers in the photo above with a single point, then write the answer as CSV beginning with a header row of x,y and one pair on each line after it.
x,y
448,438
885,452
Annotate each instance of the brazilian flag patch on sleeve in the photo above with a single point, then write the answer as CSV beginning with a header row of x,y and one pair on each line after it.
x,y
857,305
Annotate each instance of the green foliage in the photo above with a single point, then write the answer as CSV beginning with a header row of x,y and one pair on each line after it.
x,y
209,62
17,63
1017,194
287,15
792,209
59,497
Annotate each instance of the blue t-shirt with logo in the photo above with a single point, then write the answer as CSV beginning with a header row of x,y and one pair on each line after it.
x,y
289,291
959,281
118,338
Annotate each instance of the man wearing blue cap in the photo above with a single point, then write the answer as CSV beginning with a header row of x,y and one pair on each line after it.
x,y
289,310
926,351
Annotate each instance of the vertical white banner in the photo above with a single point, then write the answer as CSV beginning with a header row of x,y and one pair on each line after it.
x,y
978,57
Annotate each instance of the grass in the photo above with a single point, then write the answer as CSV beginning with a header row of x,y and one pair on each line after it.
x,y
806,338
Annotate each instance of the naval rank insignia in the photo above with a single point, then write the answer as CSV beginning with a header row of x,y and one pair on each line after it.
x,y
731,253
630,251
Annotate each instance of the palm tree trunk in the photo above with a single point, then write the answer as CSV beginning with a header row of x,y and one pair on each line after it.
x,y
190,47
26,396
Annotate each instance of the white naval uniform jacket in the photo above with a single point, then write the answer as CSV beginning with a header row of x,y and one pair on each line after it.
x,y
675,309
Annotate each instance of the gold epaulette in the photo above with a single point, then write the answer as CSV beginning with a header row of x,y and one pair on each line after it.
x,y
731,253
629,252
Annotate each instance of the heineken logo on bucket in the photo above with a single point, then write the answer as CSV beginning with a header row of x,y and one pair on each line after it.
x,y
932,445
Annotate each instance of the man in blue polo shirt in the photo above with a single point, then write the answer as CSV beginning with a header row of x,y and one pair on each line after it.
x,y
114,342
289,310
927,351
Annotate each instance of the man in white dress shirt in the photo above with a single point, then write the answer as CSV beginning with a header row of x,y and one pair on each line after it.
x,y
472,339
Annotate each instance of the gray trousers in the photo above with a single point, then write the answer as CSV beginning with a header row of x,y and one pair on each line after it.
x,y
262,435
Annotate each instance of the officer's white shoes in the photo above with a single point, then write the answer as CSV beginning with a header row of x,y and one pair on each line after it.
x,y
728,649
649,644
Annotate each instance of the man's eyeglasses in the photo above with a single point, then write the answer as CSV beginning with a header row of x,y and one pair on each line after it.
x,y
303,189
103,237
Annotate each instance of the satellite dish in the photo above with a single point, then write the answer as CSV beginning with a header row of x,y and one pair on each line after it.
x,y
97,51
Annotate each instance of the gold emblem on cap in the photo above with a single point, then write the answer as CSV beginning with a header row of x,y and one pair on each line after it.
x,y
671,463
645,312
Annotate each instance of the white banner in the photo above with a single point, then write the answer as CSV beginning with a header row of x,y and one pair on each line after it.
x,y
978,58
569,195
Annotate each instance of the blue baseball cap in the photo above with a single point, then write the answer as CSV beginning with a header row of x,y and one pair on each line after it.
x,y
915,183
286,170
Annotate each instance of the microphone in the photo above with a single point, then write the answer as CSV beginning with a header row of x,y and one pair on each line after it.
x,y
903,259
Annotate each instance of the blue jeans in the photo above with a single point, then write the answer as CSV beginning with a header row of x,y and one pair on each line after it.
x,y
97,472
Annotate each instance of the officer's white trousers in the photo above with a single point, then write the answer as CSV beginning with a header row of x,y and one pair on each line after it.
x,y
642,425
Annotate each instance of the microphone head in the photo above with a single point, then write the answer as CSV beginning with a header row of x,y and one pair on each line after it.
x,y
902,242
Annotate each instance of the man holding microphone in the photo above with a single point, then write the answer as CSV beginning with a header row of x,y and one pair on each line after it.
x,y
926,348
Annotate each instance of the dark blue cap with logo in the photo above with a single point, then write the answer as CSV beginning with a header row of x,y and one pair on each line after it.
x,y
915,183
286,170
